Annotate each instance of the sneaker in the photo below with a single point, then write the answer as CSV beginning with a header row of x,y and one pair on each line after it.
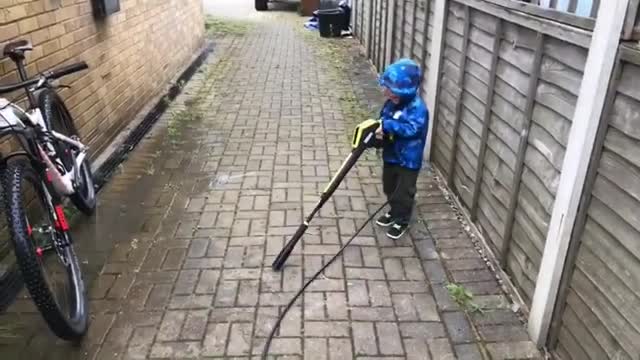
x,y
396,231
385,220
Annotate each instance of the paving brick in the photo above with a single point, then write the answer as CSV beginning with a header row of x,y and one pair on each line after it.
x,y
140,343
458,327
158,297
389,338
326,328
364,338
404,306
413,269
371,256
171,326
314,307
195,325
408,287
340,349
121,286
215,341
240,339
441,349
365,273
422,330
417,349
358,294
316,349
280,346
379,293
239,314
471,276
176,350
513,350
426,306
226,293
186,282
198,248
372,314
503,332
191,301
248,293
468,352
435,271
337,306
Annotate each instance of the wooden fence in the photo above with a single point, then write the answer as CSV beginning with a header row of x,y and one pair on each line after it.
x,y
509,80
596,316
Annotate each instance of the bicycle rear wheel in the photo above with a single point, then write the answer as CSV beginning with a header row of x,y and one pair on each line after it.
x,y
44,252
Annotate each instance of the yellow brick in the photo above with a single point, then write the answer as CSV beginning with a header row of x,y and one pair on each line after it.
x,y
28,25
6,3
46,19
52,60
56,31
36,7
8,32
51,47
15,13
40,36
66,13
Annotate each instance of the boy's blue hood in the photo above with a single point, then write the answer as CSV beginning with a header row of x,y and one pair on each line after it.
x,y
402,78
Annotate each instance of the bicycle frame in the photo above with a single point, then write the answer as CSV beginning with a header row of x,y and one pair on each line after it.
x,y
25,127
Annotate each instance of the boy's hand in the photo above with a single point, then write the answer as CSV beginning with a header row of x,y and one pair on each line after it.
x,y
379,133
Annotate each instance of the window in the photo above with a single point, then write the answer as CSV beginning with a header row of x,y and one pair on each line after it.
x,y
584,8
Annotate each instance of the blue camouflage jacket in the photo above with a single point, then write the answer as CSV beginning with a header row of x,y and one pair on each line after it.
x,y
408,121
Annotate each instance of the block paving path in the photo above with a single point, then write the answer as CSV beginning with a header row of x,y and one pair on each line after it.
x,y
185,234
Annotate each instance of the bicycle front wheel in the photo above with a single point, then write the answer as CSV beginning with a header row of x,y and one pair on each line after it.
x,y
44,252
58,118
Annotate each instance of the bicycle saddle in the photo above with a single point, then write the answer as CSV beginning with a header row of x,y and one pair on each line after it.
x,y
16,49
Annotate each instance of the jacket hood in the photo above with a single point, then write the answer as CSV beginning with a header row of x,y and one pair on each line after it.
x,y
402,78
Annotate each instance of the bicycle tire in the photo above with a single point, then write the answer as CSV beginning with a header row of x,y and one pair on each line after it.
x,y
57,117
74,326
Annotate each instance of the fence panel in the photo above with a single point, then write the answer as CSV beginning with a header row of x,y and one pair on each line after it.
x,y
596,316
506,99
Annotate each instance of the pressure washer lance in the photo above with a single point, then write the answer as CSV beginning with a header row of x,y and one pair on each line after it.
x,y
364,137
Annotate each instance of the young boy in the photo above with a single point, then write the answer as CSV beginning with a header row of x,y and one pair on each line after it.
x,y
405,120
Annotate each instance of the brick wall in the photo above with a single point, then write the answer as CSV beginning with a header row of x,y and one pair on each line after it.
x,y
132,54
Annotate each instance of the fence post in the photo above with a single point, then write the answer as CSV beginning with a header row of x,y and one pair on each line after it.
x,y
588,113
433,79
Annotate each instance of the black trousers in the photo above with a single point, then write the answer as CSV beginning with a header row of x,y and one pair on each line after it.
x,y
399,184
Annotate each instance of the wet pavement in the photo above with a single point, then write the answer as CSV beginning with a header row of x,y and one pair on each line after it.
x,y
178,255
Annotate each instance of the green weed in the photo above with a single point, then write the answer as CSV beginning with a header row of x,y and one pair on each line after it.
x,y
463,297
218,26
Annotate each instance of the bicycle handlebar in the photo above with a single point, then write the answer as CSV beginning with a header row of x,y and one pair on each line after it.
x,y
55,74
67,70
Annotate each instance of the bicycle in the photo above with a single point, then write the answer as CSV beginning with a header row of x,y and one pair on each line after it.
x,y
51,166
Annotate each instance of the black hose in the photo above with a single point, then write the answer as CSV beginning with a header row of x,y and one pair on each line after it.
x,y
276,326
